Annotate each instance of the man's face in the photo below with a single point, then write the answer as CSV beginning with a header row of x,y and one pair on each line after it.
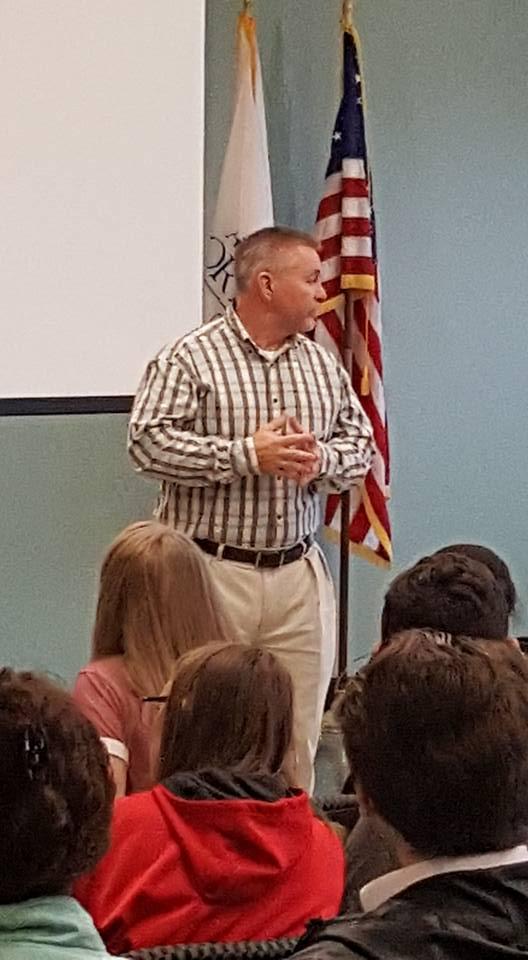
x,y
296,288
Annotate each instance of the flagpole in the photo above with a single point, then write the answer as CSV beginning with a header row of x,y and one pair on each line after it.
x,y
344,539
344,568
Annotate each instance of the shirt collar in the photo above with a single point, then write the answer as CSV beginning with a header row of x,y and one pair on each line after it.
x,y
50,920
373,894
240,331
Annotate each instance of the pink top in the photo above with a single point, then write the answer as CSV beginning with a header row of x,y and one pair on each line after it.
x,y
102,691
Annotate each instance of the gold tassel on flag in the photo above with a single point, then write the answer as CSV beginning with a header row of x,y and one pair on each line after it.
x,y
365,378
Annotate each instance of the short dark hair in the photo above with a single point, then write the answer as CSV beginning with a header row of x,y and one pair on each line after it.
x,y
490,559
56,791
230,708
258,248
435,731
448,592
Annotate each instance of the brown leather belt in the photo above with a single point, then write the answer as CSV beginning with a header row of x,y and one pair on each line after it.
x,y
257,558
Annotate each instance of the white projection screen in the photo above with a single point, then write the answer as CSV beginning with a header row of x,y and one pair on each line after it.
x,y
101,190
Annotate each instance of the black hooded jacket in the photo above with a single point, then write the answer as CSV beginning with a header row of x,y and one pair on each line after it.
x,y
467,915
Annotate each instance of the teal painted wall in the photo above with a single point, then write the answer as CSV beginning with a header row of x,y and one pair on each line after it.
x,y
448,122
66,490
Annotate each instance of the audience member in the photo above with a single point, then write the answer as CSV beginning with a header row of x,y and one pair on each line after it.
x,y
450,592
55,803
156,601
499,569
223,848
435,733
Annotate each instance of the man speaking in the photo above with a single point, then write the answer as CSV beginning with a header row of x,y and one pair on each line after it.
x,y
245,421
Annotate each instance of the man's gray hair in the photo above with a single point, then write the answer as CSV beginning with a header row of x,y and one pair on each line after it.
x,y
258,250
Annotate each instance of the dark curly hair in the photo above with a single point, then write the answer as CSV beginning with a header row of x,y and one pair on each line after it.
x,y
491,560
448,592
55,790
434,730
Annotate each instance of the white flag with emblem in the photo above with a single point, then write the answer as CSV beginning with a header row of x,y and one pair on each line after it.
x,y
244,198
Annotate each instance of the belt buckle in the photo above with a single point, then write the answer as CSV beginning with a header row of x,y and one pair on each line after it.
x,y
281,560
258,559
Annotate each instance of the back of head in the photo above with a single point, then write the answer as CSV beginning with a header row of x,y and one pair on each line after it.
x,y
435,734
448,592
231,709
55,791
261,251
491,560
156,601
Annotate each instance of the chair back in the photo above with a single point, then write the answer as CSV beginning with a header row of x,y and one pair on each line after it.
x,y
278,949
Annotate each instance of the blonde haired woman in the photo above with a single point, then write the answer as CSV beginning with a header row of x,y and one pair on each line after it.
x,y
156,601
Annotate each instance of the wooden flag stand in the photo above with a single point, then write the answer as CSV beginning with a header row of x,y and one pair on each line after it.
x,y
344,539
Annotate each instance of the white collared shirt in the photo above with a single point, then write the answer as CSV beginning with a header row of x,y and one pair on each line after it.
x,y
373,894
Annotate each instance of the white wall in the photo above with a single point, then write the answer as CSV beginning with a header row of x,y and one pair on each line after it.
x,y
101,189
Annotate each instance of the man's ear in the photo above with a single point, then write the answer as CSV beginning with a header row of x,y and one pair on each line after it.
x,y
265,284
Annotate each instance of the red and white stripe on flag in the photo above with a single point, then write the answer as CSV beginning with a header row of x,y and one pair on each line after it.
x,y
350,277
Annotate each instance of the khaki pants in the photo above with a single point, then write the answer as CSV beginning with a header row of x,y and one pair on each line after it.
x,y
291,611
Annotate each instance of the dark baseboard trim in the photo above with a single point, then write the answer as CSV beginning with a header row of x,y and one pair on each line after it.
x,y
58,406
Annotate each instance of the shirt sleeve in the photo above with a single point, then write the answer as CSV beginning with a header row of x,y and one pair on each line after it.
x,y
162,439
347,455
103,704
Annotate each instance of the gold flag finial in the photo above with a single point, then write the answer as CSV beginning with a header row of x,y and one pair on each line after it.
x,y
346,15
246,5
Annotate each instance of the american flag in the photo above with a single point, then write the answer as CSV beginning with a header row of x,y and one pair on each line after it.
x,y
350,322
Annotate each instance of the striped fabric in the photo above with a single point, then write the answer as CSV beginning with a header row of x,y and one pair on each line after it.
x,y
346,229
192,422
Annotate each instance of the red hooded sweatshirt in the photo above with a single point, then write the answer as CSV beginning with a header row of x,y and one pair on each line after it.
x,y
199,870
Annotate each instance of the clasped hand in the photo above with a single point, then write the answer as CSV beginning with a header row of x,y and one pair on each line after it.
x,y
285,449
